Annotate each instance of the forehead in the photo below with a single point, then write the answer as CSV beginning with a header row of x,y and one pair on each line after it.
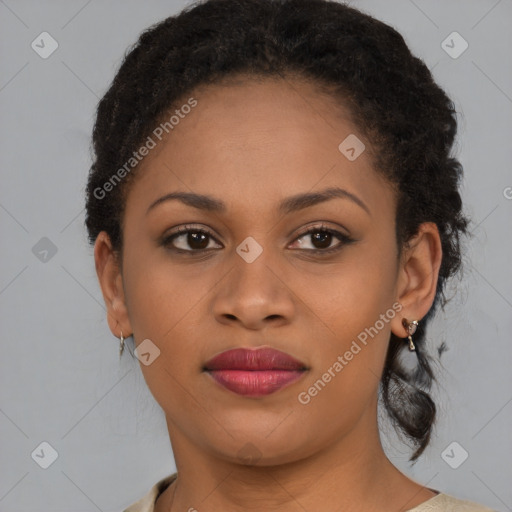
x,y
269,118
256,141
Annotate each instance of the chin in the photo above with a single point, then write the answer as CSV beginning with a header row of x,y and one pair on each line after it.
x,y
253,446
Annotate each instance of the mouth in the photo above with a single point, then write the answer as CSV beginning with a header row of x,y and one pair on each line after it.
x,y
255,372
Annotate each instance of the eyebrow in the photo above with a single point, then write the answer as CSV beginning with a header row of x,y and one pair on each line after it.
x,y
288,205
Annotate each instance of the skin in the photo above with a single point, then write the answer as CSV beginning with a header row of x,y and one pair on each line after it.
x,y
251,144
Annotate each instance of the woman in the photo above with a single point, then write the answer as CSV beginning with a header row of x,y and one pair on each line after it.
x,y
275,211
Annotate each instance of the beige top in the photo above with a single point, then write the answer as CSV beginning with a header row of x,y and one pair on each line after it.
x,y
440,503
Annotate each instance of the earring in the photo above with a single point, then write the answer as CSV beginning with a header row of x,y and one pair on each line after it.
x,y
121,345
410,327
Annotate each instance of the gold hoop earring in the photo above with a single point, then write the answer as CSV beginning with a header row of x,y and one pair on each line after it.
x,y
410,327
121,345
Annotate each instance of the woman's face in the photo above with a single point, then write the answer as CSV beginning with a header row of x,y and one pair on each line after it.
x,y
255,280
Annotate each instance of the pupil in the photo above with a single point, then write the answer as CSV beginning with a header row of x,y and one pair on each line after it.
x,y
323,237
197,240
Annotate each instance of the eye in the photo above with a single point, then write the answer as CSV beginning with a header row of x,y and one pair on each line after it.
x,y
188,239
195,238
321,239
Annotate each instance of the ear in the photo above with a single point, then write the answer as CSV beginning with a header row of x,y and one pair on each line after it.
x,y
110,278
417,276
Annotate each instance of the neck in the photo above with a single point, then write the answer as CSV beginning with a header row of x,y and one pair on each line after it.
x,y
353,471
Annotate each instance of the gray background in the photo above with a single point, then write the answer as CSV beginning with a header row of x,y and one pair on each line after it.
x,y
61,379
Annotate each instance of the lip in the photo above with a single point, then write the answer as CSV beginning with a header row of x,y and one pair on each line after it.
x,y
254,372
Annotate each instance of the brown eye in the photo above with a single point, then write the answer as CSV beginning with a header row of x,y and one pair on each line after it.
x,y
321,240
197,240
189,240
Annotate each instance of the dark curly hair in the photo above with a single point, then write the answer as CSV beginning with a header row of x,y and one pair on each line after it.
x,y
365,65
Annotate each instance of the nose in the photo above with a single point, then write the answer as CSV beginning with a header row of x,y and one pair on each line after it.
x,y
254,295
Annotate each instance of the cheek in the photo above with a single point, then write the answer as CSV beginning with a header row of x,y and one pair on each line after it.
x,y
164,302
353,309
159,296
353,294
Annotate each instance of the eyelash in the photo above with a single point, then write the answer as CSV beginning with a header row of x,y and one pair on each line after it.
x,y
344,239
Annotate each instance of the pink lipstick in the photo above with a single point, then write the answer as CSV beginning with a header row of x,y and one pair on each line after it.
x,y
254,372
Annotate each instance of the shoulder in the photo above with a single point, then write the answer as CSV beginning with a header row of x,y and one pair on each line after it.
x,y
147,502
446,503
